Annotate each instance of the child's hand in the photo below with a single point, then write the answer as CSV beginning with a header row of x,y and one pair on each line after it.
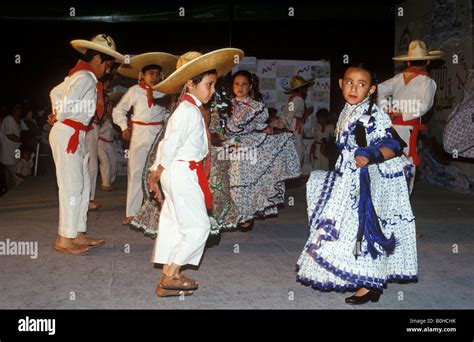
x,y
127,134
361,161
51,118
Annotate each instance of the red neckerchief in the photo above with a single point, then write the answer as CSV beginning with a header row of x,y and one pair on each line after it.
x,y
149,93
81,65
299,121
411,72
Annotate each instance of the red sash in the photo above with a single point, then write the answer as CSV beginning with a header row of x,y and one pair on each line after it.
x,y
198,166
74,139
156,123
105,140
417,127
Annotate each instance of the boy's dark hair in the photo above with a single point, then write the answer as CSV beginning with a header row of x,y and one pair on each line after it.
x,y
198,78
91,53
418,63
151,67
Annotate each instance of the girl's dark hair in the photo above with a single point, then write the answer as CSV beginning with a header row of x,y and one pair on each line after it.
x,y
245,74
198,78
373,81
151,67
91,53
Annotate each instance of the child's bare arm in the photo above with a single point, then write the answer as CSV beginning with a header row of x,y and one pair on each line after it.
x,y
387,153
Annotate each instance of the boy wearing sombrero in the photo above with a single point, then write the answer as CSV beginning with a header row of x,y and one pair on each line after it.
x,y
149,114
74,103
295,110
412,96
184,224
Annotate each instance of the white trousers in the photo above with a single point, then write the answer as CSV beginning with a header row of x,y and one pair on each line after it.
x,y
140,144
404,132
108,162
299,146
184,225
92,145
72,175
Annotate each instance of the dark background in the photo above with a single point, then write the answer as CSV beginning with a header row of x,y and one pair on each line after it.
x,y
41,34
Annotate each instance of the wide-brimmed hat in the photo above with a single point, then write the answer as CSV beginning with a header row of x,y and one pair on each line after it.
x,y
297,82
194,63
417,51
102,43
166,61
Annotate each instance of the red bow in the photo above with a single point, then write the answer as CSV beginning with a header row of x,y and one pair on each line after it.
x,y
149,93
411,72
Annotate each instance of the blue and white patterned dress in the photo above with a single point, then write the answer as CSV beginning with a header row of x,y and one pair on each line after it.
x,y
328,261
257,184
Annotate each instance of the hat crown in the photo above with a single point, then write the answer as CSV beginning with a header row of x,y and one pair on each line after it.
x,y
104,40
186,58
417,48
297,81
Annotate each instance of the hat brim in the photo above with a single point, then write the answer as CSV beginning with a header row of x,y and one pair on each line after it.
x,y
166,61
223,60
431,55
308,83
82,46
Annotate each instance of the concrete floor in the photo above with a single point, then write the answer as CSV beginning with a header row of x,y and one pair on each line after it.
x,y
252,270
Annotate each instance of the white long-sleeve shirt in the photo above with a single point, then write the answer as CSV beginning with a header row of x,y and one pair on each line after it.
x,y
76,97
294,108
185,137
419,93
136,97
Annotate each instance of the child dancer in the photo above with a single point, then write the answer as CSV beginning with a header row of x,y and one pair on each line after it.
x,y
362,229
106,149
184,224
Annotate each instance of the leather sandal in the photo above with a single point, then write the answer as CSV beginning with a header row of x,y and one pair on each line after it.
x,y
71,250
161,292
91,243
188,279
176,283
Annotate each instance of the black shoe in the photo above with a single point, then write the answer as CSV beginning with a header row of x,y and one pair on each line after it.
x,y
372,296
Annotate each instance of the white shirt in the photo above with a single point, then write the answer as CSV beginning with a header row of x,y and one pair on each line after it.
x,y
76,97
10,147
419,91
297,110
136,97
185,137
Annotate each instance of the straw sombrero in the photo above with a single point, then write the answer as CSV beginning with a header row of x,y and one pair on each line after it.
x,y
166,61
417,51
101,43
194,63
298,82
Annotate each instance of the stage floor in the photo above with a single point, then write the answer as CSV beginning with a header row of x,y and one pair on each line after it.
x,y
260,276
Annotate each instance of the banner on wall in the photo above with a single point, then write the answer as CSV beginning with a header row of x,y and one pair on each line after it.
x,y
275,76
